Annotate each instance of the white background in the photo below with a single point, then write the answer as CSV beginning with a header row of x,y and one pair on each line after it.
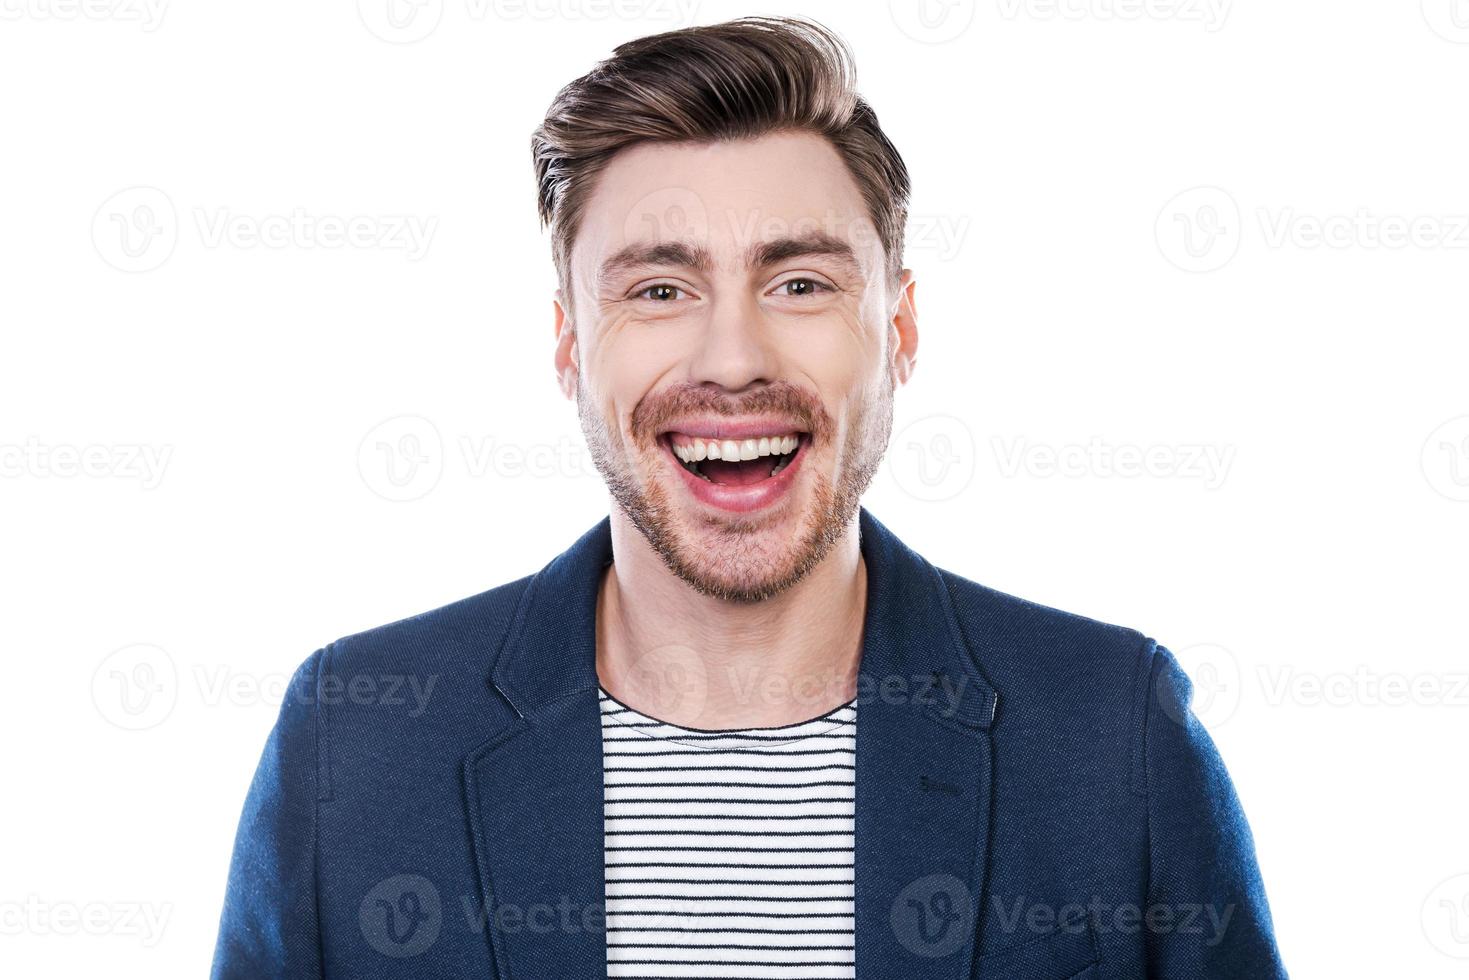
x,y
208,438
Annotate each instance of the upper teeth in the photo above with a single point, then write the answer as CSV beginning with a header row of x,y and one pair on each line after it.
x,y
700,449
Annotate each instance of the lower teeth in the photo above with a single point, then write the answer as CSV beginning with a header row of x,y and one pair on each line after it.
x,y
781,463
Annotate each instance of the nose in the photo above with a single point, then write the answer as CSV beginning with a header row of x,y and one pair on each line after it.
x,y
737,348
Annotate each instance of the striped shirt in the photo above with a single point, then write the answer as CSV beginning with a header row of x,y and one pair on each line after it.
x,y
729,854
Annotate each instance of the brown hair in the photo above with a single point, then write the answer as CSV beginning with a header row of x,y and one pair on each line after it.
x,y
739,79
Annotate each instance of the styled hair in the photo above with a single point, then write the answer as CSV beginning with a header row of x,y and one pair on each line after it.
x,y
737,80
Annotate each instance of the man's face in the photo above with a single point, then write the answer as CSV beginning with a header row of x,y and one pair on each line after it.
x,y
733,351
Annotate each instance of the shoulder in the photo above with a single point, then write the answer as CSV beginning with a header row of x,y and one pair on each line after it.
x,y
1017,632
462,635
1052,665
407,687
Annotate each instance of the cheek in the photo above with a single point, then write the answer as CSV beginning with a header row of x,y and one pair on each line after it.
x,y
840,358
626,361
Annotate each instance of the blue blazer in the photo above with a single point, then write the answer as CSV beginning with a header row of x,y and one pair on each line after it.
x,y
1034,797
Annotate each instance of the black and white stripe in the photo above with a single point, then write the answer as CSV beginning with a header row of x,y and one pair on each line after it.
x,y
729,854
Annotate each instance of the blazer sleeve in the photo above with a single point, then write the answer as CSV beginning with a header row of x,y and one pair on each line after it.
x,y
1209,917
269,924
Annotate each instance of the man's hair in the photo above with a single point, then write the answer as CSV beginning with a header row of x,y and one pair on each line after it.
x,y
736,80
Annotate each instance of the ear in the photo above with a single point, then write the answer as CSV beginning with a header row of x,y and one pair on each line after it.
x,y
903,330
566,352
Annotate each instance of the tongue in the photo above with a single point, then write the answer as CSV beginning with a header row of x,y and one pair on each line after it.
x,y
737,473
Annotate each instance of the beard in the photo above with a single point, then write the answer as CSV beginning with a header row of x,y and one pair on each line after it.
x,y
739,558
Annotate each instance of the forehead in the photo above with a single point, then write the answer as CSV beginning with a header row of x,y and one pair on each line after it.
x,y
724,196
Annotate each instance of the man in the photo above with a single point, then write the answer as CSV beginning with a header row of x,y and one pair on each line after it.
x,y
738,729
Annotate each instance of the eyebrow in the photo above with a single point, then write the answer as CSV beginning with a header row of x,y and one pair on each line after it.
x,y
640,254
817,243
758,255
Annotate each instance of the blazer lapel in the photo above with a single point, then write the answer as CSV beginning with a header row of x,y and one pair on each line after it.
x,y
924,773
534,790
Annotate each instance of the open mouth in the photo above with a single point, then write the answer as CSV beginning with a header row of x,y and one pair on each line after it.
x,y
735,462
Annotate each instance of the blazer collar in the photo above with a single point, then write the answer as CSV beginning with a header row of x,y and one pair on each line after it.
x,y
924,770
910,630
550,650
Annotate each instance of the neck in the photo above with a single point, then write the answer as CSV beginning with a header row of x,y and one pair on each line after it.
x,y
692,660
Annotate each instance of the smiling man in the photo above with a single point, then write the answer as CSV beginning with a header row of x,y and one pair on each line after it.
x,y
738,729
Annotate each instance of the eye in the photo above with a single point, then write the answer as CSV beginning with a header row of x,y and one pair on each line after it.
x,y
659,292
803,286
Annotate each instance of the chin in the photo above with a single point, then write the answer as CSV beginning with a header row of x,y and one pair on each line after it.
x,y
748,557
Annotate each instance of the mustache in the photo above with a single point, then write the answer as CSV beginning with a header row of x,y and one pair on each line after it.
x,y
656,411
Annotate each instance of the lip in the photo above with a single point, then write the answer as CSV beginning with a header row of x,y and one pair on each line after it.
x,y
716,427
744,499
